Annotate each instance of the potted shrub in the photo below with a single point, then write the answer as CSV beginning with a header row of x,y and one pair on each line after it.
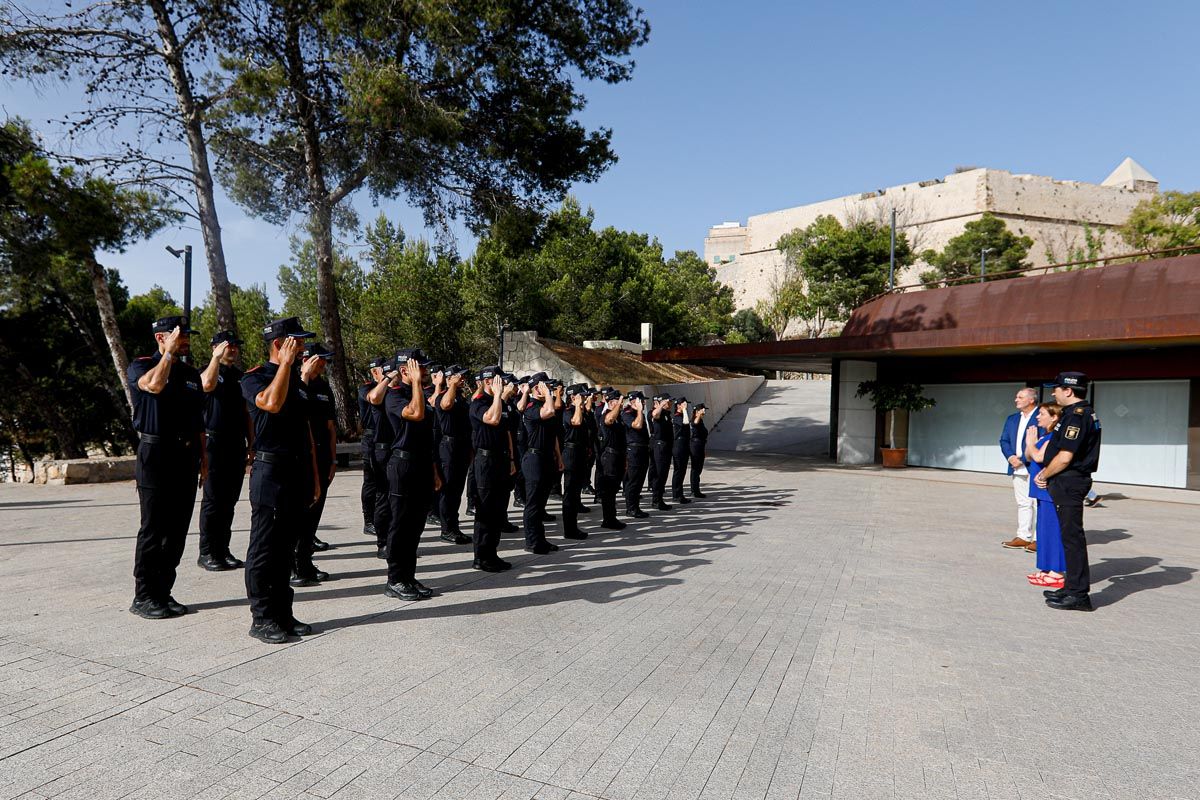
x,y
890,398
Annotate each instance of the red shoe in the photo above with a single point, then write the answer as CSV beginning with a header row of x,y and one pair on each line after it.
x,y
1047,582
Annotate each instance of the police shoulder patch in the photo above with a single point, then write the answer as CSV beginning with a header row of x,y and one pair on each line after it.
x,y
1072,432
1078,409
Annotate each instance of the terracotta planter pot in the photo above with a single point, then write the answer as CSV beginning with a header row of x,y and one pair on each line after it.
x,y
894,457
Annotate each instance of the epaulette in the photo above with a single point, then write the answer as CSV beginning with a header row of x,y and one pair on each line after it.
x,y
254,369
1078,409
145,358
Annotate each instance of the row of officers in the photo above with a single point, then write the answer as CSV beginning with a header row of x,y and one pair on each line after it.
x,y
427,439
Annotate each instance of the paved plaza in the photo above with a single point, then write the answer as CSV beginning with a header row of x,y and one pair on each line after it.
x,y
807,631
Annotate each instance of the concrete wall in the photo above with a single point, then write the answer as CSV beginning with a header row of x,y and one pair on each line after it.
x,y
525,355
930,213
856,415
718,396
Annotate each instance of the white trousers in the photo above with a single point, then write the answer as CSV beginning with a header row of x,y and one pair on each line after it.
x,y
1026,507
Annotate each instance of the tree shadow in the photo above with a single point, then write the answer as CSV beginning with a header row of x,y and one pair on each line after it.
x,y
1130,578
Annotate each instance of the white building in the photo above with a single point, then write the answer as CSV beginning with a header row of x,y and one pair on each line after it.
x,y
1054,213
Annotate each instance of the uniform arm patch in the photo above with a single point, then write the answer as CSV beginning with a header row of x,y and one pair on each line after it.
x,y
1072,432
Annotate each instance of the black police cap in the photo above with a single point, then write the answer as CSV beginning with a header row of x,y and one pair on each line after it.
x,y
378,363
636,395
456,369
288,327
487,373
226,336
168,324
538,377
415,353
699,407
1070,380
509,377
315,348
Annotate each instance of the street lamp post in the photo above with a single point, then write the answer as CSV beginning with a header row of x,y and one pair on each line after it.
x,y
983,261
186,252
892,256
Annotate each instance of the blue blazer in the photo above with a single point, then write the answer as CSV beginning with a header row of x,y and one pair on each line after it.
x,y
1012,441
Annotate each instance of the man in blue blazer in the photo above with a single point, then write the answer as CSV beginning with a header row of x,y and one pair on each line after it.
x,y
1012,445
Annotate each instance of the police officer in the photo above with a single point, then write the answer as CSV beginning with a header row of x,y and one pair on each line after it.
x,y
283,480
413,473
512,422
662,437
610,461
574,458
637,441
520,400
380,450
454,450
168,414
699,446
539,461
368,415
228,434
1072,455
321,419
681,447
493,468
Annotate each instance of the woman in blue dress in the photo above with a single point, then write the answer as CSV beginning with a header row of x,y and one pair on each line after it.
x,y
1051,560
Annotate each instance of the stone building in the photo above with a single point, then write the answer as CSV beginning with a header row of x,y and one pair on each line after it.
x,y
1054,213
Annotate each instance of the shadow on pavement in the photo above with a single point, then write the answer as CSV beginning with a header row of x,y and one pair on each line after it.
x,y
1110,535
1128,576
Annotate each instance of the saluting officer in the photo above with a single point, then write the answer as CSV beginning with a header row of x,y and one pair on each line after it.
x,y
454,451
699,447
681,429
574,459
661,440
228,437
1072,455
413,473
493,468
380,451
610,462
539,461
283,480
168,414
637,440
368,415
322,416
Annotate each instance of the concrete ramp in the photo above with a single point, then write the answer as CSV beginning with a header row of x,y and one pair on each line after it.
x,y
785,417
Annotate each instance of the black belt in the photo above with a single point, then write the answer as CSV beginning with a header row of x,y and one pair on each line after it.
x,y
151,438
381,446
573,445
368,432
224,436
403,455
538,451
276,458
663,441
635,446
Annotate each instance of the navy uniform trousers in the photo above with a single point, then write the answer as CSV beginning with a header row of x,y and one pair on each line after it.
x,y
280,492
166,472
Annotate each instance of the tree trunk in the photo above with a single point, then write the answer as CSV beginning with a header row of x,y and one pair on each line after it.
x,y
321,226
190,115
108,322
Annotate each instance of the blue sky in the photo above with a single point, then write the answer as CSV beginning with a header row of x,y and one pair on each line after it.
x,y
741,108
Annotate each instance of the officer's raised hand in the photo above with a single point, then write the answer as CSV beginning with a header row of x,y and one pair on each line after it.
x,y
455,381
439,380
497,385
219,351
636,404
576,401
289,350
307,367
414,372
171,342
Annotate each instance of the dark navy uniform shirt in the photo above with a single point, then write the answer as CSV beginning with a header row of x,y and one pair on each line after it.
x,y
176,411
321,410
414,437
368,413
493,438
572,435
286,432
225,410
632,434
660,429
455,423
539,433
699,434
681,430
1077,432
611,435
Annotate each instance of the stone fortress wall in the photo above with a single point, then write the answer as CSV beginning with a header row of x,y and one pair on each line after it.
x,y
1054,213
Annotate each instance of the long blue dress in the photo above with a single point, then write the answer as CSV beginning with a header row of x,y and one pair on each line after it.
x,y
1050,555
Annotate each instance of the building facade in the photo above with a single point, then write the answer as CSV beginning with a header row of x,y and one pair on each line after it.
x,y
1055,214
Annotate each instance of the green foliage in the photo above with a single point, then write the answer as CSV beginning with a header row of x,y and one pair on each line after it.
x,y
833,270
298,285
1170,219
747,327
961,257
893,396
252,308
139,314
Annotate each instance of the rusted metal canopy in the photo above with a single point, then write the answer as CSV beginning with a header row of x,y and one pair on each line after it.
x,y
1128,306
